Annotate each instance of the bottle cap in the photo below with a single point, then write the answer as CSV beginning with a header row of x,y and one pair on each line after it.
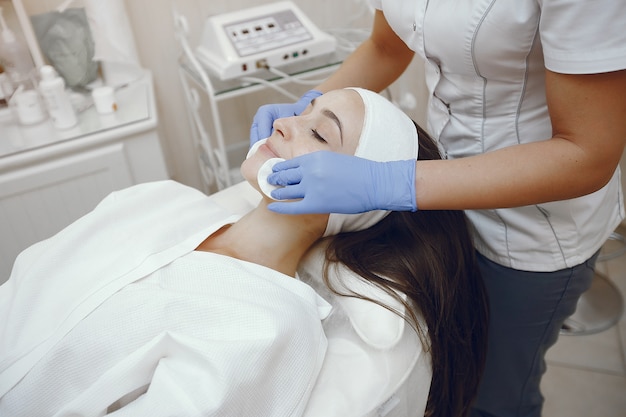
x,y
47,72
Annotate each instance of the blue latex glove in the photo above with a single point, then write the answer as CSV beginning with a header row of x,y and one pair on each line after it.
x,y
328,182
264,118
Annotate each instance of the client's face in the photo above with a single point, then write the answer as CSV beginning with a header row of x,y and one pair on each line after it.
x,y
332,122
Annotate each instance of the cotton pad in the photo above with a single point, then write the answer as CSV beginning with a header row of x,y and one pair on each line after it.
x,y
255,147
264,172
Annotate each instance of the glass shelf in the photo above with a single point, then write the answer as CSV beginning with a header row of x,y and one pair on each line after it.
x,y
302,68
134,107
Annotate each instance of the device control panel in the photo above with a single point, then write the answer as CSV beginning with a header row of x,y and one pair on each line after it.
x,y
267,33
243,42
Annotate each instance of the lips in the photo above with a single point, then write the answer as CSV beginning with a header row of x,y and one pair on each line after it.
x,y
266,149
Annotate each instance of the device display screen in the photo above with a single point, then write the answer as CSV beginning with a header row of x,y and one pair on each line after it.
x,y
265,33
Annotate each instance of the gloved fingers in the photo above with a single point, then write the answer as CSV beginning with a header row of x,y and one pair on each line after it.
x,y
304,205
254,134
306,99
281,208
263,121
287,164
294,207
286,173
262,126
292,192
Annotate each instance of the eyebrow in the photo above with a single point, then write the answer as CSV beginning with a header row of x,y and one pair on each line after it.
x,y
332,116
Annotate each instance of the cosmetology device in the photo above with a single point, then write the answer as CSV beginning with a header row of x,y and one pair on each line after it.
x,y
243,42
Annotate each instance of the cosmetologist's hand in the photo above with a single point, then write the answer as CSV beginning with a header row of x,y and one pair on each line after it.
x,y
328,182
264,118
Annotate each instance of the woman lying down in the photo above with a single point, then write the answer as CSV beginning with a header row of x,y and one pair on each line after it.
x,y
161,303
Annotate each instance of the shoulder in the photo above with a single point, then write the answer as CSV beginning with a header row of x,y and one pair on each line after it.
x,y
581,37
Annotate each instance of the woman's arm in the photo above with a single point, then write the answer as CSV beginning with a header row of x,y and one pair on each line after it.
x,y
589,133
588,114
375,64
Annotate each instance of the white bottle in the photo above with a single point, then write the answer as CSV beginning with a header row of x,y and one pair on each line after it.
x,y
16,58
52,89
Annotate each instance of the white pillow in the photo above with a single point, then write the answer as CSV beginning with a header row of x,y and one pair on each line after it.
x,y
376,325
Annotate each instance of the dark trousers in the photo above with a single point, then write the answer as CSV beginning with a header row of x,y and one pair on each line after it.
x,y
527,311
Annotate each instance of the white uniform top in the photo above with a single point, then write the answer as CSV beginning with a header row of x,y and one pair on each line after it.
x,y
485,63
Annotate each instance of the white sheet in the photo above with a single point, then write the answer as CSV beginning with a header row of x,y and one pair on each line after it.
x,y
355,379
198,333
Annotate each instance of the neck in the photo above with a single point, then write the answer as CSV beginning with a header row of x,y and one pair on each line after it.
x,y
276,241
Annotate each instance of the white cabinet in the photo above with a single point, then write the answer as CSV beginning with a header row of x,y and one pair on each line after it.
x,y
50,178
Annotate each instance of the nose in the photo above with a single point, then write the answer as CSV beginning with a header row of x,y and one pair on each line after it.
x,y
286,126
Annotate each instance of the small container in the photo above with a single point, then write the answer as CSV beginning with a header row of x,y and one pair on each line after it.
x,y
104,100
56,99
27,106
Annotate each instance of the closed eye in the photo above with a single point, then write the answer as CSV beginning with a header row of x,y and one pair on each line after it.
x,y
317,136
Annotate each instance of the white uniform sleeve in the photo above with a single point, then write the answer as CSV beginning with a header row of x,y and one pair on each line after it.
x,y
580,37
377,4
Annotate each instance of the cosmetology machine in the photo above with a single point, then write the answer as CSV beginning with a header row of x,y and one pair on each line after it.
x,y
272,35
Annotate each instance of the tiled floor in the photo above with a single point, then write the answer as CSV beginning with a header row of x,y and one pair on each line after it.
x,y
586,374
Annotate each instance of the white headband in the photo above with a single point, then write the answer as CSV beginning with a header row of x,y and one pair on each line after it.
x,y
388,135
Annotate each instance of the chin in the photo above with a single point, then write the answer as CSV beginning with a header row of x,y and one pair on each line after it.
x,y
249,169
246,170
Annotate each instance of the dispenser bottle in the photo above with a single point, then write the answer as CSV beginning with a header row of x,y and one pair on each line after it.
x,y
16,59
56,99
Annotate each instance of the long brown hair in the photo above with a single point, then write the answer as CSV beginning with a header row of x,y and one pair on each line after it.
x,y
429,257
